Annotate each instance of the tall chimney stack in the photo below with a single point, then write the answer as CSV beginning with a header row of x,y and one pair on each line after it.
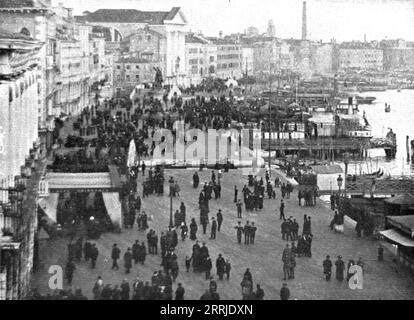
x,y
304,29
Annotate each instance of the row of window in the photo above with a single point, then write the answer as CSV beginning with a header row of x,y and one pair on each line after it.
x,y
136,67
127,78
229,48
229,56
230,65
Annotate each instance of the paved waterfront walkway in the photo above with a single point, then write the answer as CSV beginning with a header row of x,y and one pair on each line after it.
x,y
382,280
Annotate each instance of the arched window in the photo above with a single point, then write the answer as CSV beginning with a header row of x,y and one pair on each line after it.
x,y
25,31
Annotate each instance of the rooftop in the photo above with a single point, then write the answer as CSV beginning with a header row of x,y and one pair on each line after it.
x,y
130,16
11,4
192,38
4,34
403,223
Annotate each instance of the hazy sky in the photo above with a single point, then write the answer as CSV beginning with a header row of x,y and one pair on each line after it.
x,y
342,19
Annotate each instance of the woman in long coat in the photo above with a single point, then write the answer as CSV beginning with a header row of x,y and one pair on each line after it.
x,y
340,267
193,229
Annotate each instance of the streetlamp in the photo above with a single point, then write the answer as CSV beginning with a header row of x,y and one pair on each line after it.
x,y
340,180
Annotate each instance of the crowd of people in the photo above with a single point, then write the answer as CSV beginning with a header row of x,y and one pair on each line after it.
x,y
114,134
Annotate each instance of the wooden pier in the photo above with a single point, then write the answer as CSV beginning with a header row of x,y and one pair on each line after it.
x,y
390,186
322,147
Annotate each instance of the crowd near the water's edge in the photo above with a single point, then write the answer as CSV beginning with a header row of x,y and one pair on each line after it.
x,y
113,136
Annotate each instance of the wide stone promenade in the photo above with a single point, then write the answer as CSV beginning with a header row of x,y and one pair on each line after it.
x,y
382,280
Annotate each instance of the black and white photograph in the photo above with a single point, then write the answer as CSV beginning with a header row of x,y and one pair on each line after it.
x,y
220,150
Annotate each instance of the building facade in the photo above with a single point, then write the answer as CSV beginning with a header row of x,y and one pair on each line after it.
x,y
360,56
197,58
20,89
397,55
172,25
271,55
322,58
132,71
229,58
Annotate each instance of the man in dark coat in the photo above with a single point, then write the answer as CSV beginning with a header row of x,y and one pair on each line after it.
x,y
219,220
208,266
282,210
196,180
213,228
179,293
196,257
87,250
253,230
135,251
204,222
227,269
239,209
259,295
70,268
142,253
94,252
284,292
193,229
246,232
236,191
78,249
128,260
125,289
340,267
220,266
116,252
239,232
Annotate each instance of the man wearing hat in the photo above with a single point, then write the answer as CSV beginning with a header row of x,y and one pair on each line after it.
x,y
239,231
213,228
128,260
340,267
219,220
327,268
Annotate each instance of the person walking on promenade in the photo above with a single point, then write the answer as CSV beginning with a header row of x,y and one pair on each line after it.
x,y
239,209
340,267
236,191
128,260
239,232
116,252
219,220
227,269
94,255
253,230
284,292
213,229
246,232
179,292
327,268
69,270
282,210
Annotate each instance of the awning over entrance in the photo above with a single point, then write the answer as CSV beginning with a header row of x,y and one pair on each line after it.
x,y
49,205
395,236
113,206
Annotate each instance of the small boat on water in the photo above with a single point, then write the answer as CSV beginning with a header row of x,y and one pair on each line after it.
x,y
387,108
364,100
